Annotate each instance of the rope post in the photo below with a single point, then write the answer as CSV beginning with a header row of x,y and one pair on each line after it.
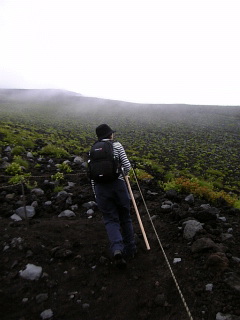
x,y
24,204
137,213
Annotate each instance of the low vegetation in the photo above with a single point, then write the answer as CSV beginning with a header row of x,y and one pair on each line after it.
x,y
188,148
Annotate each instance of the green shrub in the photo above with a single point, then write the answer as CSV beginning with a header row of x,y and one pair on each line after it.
x,y
17,150
203,189
55,151
20,178
141,175
28,143
21,161
64,167
57,176
13,169
237,204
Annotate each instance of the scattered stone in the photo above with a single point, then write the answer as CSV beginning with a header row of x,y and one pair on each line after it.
x,y
46,314
236,259
166,208
37,191
221,316
8,149
74,207
30,212
78,160
176,260
202,244
62,195
34,204
31,272
172,195
209,287
15,217
67,213
17,243
61,253
90,212
69,200
29,155
85,306
10,196
89,205
233,281
226,236
190,199
223,219
41,297
217,263
191,228
205,206
152,193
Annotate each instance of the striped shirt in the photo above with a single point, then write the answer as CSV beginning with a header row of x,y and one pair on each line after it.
x,y
120,154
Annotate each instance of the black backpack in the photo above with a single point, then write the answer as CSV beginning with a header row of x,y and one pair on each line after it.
x,y
102,166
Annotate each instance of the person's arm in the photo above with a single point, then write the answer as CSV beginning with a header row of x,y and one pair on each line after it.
x,y
125,163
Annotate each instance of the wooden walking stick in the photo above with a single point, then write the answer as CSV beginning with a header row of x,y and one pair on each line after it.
x,y
137,213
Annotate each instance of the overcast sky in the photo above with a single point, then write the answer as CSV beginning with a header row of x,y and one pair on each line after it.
x,y
162,51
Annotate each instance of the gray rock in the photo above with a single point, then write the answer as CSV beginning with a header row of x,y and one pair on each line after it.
x,y
69,200
207,214
46,314
236,259
209,287
233,281
172,194
89,205
202,244
191,228
74,207
15,217
85,306
37,191
31,272
4,165
78,160
41,297
29,155
166,208
62,195
67,213
8,149
205,206
84,165
10,196
190,199
90,212
34,204
221,316
226,236
30,212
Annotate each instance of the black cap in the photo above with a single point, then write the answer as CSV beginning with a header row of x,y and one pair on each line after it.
x,y
103,131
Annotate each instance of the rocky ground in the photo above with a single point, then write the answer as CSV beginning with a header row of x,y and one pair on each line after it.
x,y
56,264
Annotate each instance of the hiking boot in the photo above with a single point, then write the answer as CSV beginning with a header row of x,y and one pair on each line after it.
x,y
118,259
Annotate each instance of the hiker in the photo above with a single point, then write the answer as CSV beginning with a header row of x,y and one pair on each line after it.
x,y
113,199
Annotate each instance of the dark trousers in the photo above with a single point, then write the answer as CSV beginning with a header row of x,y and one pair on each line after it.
x,y
114,202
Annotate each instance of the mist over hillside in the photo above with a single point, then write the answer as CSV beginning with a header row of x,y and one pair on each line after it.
x,y
60,104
